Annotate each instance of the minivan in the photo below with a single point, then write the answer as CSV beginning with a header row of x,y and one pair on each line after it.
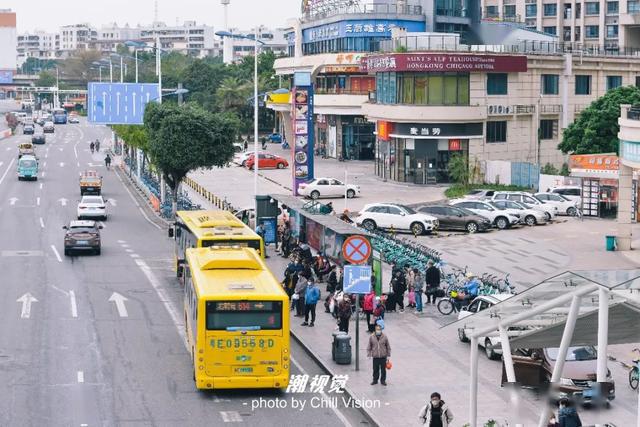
x,y
27,168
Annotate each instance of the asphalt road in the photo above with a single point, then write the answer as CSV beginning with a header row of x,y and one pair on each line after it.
x,y
68,357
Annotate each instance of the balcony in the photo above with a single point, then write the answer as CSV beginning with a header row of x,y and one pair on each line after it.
x,y
340,91
633,112
427,113
550,109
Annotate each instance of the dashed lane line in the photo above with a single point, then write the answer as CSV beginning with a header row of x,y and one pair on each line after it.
x,y
41,222
55,251
80,377
4,175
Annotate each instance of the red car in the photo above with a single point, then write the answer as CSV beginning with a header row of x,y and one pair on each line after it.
x,y
267,161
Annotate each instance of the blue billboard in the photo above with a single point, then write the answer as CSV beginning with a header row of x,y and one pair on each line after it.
x,y
120,103
359,28
6,77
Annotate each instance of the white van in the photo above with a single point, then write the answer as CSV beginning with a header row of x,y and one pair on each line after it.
x,y
571,192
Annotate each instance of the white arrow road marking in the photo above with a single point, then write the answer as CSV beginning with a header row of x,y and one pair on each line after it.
x,y
41,222
113,202
55,251
61,164
26,300
74,306
41,186
81,377
75,149
63,201
119,300
38,201
117,103
7,171
13,200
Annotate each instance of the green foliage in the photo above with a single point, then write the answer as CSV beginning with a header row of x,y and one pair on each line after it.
x,y
133,135
596,128
46,79
185,138
564,171
549,169
459,169
35,65
456,191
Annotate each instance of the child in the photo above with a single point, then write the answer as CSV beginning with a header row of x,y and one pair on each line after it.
x,y
412,297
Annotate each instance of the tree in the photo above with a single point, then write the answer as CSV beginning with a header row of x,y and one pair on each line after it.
x,y
549,169
46,79
233,93
185,138
596,129
12,121
135,136
459,169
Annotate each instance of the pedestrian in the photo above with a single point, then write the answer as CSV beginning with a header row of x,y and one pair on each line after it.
x,y
344,313
107,161
245,144
263,140
411,294
260,231
368,305
92,147
436,413
300,290
399,287
311,297
332,283
97,145
432,279
379,350
418,288
378,310
567,414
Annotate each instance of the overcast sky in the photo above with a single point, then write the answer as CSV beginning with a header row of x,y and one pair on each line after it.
x,y
49,15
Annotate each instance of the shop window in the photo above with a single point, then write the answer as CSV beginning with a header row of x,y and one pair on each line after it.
x,y
497,83
614,82
550,9
583,85
497,131
548,129
592,8
550,84
463,90
421,90
450,90
436,86
406,89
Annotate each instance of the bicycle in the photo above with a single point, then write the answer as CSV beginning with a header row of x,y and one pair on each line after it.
x,y
449,303
634,372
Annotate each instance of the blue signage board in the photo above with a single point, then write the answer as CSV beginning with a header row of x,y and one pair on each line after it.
x,y
359,28
120,103
6,76
270,230
357,279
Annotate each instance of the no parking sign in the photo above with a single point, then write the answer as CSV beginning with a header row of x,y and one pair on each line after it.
x,y
356,250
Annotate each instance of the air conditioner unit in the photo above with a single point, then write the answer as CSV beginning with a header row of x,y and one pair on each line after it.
x,y
491,109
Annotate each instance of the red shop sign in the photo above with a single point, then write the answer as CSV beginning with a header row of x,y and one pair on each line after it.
x,y
444,62
455,145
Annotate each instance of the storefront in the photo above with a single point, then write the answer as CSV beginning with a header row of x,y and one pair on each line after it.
x,y
347,137
419,153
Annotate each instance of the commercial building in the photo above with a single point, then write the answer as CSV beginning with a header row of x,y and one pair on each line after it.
x,y
8,43
190,37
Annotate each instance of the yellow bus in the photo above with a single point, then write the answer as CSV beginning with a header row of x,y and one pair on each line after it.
x,y
201,229
236,320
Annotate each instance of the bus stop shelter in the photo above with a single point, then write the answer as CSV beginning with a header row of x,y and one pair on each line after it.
x,y
573,308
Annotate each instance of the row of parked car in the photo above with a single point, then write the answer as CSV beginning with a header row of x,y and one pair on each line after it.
x,y
476,212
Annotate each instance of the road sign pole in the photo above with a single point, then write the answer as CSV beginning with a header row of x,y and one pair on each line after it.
x,y
357,332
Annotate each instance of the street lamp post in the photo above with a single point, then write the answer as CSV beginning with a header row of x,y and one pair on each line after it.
x,y
255,108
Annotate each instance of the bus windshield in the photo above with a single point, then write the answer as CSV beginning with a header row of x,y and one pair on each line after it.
x,y
228,315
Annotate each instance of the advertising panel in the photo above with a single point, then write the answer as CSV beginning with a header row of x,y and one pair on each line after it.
x,y
303,130
444,62
595,162
315,234
6,76
359,28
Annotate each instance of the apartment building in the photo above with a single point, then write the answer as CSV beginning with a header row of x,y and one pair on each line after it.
x,y
76,36
193,38
274,40
37,44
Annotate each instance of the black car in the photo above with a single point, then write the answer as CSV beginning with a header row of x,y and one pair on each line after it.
x,y
28,130
454,218
82,236
38,139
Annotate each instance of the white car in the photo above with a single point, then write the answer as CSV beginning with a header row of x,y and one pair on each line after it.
x,y
527,215
74,119
398,217
529,200
483,208
48,127
480,303
327,187
92,207
571,192
565,206
241,158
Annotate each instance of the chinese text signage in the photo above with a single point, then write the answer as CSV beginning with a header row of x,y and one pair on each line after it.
x,y
359,28
437,130
442,62
303,131
601,162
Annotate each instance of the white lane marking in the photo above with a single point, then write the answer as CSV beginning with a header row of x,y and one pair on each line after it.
x,y
81,379
121,241
43,174
26,300
41,222
231,416
164,298
134,256
138,205
63,201
129,251
1,163
61,164
46,155
335,410
8,148
55,251
124,245
37,201
74,305
119,301
7,171
13,200
78,164
41,186
44,164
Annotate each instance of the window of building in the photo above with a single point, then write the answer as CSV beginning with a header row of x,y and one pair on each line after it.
x,y
491,11
583,85
633,6
497,131
591,31
549,30
550,9
612,8
612,31
638,81
614,82
578,10
531,10
549,84
509,11
577,33
592,8
566,34
548,129
422,88
567,11
497,83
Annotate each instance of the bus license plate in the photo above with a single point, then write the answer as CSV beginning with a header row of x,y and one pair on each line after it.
x,y
244,370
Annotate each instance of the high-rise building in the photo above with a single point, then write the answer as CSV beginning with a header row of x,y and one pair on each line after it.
x,y
77,36
8,41
38,44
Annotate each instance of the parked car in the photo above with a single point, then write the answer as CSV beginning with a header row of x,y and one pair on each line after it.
x,y
92,207
497,217
247,215
82,236
327,187
39,138
275,138
565,206
398,217
529,200
480,194
267,161
534,366
241,158
455,218
571,192
480,303
238,147
527,215
48,127
28,130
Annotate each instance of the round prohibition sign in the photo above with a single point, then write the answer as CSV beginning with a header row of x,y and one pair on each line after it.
x,y
356,249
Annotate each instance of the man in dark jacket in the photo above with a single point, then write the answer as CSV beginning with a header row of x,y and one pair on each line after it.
x,y
344,313
399,287
432,279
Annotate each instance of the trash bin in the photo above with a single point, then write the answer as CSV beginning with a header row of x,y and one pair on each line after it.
x,y
334,343
611,243
343,349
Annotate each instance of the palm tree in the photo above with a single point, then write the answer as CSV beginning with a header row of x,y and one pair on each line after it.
x,y
233,93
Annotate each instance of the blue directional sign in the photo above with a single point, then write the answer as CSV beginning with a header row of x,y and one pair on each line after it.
x,y
357,279
120,103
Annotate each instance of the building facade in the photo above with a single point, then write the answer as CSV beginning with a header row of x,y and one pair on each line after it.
x,y
191,37
8,41
274,40
39,45
76,36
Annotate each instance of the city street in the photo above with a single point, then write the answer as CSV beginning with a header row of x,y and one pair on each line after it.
x,y
68,355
